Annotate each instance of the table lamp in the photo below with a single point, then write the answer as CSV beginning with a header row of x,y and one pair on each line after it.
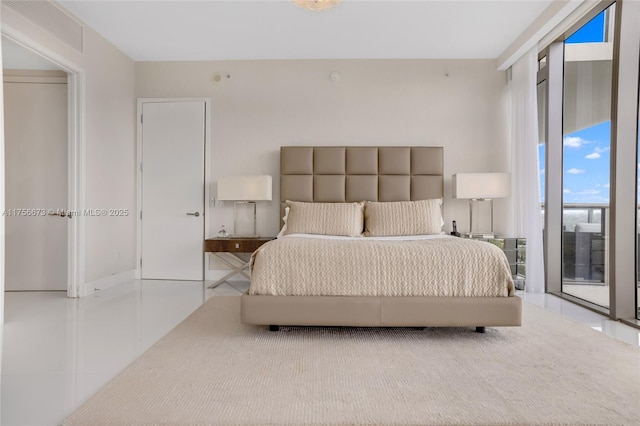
x,y
480,189
244,191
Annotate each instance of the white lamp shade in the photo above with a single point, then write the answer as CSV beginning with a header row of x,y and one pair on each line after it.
x,y
245,188
481,185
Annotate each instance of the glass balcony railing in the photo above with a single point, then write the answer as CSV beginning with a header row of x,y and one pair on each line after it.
x,y
585,242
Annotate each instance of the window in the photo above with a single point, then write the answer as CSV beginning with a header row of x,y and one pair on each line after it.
x,y
542,124
542,62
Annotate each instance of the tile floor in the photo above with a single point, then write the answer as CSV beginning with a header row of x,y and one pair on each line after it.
x,y
57,352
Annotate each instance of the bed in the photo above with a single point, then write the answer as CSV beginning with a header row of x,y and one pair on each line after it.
x,y
324,272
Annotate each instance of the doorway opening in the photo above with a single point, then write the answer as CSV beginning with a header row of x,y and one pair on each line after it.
x,y
22,53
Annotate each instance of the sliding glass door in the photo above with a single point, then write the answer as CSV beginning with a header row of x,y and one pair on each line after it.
x,y
588,60
589,109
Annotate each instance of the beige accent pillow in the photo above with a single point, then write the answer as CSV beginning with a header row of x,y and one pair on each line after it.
x,y
423,217
284,221
345,219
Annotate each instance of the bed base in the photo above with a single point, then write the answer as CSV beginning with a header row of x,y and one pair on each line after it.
x,y
277,328
371,311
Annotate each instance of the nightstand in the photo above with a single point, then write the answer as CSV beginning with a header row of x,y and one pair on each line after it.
x,y
516,251
233,246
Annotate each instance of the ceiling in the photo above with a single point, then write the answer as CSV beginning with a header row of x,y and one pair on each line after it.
x,y
171,30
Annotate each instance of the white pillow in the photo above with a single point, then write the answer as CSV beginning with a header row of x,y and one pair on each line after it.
x,y
399,218
346,219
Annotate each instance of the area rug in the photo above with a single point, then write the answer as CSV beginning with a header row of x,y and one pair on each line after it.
x,y
211,369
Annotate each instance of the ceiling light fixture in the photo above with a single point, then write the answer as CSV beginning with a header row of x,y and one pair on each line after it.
x,y
316,5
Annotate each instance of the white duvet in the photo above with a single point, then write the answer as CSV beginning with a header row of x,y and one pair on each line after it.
x,y
422,265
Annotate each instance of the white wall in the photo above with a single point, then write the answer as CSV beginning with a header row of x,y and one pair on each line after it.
x,y
110,143
458,104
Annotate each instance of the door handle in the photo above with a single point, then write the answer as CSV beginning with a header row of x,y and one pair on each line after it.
x,y
196,214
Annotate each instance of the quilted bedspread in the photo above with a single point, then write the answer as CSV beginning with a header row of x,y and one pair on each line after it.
x,y
437,267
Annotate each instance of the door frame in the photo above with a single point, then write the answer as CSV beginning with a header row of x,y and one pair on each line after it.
x,y
76,79
207,173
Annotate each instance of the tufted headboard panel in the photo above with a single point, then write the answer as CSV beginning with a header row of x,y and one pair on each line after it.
x,y
347,174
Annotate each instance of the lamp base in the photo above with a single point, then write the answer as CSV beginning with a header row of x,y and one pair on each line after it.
x,y
244,219
481,218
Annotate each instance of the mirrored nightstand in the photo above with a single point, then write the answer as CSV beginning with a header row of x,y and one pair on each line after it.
x,y
233,246
515,249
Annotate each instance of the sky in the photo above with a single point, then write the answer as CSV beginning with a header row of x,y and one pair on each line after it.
x,y
591,32
586,153
586,165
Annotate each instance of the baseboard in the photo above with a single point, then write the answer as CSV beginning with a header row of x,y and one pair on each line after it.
x,y
107,282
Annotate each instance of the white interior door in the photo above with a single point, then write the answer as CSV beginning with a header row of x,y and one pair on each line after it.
x,y
35,120
172,233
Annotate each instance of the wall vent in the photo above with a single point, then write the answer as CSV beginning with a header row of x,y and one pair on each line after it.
x,y
51,19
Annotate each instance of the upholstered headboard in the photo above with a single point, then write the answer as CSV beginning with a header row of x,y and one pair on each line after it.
x,y
346,174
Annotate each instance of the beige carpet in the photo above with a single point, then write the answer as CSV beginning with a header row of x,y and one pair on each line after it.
x,y
212,370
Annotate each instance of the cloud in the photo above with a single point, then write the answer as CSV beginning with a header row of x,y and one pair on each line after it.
x,y
606,185
541,171
596,153
574,141
588,192
575,171
566,191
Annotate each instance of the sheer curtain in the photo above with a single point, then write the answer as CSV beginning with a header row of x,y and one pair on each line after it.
x,y
525,167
